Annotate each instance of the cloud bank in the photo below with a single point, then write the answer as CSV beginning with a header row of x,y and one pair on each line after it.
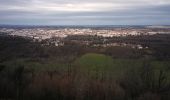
x,y
88,12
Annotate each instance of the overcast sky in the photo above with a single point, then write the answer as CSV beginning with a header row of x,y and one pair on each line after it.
x,y
85,12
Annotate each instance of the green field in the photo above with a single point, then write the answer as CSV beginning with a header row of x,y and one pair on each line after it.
x,y
103,64
90,64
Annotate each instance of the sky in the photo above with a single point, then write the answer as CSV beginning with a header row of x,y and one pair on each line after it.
x,y
85,12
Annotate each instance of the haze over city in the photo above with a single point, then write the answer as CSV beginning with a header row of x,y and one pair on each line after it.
x,y
88,12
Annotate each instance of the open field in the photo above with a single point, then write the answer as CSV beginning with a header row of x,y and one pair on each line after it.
x,y
91,64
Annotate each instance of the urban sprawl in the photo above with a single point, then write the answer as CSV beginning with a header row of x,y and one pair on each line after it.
x,y
40,34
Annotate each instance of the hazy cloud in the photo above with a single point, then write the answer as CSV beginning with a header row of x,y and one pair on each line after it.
x,y
67,12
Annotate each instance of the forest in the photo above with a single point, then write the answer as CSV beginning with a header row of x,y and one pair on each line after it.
x,y
30,70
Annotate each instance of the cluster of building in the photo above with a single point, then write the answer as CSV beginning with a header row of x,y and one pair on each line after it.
x,y
46,33
135,46
54,36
